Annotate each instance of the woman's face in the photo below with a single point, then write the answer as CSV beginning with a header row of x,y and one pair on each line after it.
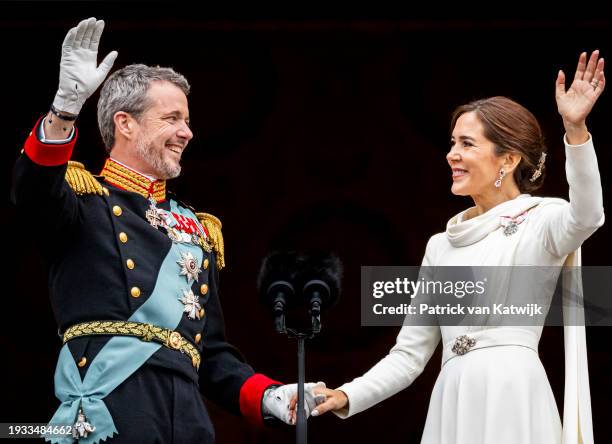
x,y
475,167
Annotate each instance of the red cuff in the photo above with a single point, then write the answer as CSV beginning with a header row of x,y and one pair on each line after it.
x,y
48,154
251,394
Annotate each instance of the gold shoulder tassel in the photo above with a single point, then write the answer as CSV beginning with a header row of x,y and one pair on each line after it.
x,y
81,180
213,226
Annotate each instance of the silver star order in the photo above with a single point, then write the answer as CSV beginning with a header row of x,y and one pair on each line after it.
x,y
189,267
192,304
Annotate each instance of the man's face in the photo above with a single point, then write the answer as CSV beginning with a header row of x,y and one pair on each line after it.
x,y
163,131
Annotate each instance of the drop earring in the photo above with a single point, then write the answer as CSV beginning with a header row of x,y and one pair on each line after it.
x,y
502,173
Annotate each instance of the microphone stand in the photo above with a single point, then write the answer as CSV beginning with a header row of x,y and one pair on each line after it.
x,y
301,427
281,291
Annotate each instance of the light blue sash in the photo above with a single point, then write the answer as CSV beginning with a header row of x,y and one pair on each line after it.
x,y
121,355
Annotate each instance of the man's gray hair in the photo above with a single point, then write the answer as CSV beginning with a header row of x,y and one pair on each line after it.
x,y
126,90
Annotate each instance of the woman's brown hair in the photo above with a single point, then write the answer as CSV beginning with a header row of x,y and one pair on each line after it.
x,y
512,129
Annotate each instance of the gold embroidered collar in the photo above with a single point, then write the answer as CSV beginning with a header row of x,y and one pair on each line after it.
x,y
129,180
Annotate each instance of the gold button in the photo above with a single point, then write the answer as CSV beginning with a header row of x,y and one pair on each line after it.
x,y
198,338
204,289
123,237
201,313
135,291
83,362
117,210
105,191
205,264
130,264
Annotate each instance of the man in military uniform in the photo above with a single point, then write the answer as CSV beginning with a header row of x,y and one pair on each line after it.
x,y
133,270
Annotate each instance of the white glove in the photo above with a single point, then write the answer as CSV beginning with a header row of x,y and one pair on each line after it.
x,y
79,74
276,401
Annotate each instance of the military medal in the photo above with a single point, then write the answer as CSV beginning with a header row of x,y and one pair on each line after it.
x,y
153,215
191,303
185,238
81,428
178,228
174,234
189,267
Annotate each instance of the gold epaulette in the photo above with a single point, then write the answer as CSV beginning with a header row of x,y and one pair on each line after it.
x,y
213,226
81,180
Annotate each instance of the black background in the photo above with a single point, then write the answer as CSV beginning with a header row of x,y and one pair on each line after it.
x,y
323,129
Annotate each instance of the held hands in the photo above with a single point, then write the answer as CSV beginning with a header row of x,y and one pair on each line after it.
x,y
331,400
576,103
80,74
277,401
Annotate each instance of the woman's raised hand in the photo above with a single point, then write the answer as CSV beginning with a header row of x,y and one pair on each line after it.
x,y
576,103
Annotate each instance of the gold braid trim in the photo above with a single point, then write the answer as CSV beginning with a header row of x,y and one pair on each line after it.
x,y
145,332
129,180
81,180
213,226
124,183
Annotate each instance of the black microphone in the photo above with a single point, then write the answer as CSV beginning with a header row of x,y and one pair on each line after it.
x,y
275,285
319,279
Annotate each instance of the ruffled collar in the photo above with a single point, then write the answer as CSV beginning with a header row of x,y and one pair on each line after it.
x,y
461,233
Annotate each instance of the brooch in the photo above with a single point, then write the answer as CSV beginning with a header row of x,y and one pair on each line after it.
x,y
511,224
463,344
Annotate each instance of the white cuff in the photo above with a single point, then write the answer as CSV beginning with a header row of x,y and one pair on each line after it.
x,y
567,144
42,137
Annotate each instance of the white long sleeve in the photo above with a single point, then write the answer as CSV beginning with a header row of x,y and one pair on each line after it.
x,y
393,373
566,226
405,362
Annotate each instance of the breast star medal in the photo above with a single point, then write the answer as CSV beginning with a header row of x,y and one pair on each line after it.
x,y
189,267
191,303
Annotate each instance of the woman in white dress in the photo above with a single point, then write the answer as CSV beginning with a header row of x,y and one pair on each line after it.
x,y
492,387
